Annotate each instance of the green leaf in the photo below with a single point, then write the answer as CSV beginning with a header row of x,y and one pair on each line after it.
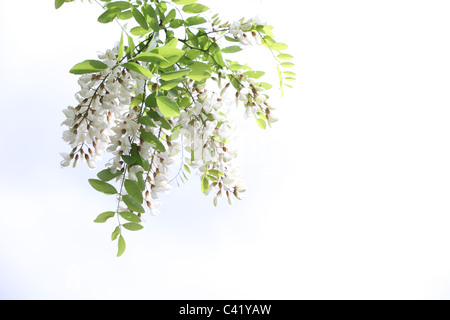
x,y
139,31
133,190
205,184
150,103
169,85
141,180
109,15
161,7
170,53
125,15
128,159
235,66
254,74
115,233
172,75
102,186
120,53
131,46
195,8
193,21
278,46
139,17
176,23
132,226
212,178
287,64
121,246
264,85
135,101
150,57
59,3
231,49
170,16
285,56
271,44
122,5
200,71
136,155
146,121
130,216
168,107
261,123
151,16
215,173
103,217
290,74
266,30
132,204
231,39
107,175
138,68
88,66
184,102
172,43
151,138
184,1
214,51
280,75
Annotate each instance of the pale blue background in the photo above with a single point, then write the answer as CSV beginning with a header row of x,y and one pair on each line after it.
x,y
348,195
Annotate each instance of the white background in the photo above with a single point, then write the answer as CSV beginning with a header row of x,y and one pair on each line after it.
x,y
348,194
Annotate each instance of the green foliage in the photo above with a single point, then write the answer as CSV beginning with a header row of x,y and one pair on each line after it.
x,y
168,55
151,57
88,66
232,49
138,68
199,71
151,138
121,246
168,107
107,175
130,216
59,3
133,190
133,204
133,226
102,186
204,184
195,8
103,217
109,15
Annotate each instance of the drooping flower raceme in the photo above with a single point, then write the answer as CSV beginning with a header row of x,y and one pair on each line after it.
x,y
160,106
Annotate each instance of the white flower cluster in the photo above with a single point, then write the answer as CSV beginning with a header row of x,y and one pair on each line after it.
x,y
104,121
110,117
103,99
243,30
208,135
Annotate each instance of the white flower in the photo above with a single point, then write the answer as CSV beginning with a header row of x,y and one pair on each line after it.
x,y
235,28
224,131
66,161
154,211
